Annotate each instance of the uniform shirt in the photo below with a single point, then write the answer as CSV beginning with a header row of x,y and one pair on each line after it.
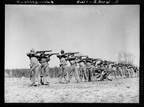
x,y
88,62
72,60
33,61
62,59
81,64
110,66
44,62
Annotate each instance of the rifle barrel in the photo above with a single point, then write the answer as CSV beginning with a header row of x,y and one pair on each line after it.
x,y
44,51
51,54
54,53
84,56
72,53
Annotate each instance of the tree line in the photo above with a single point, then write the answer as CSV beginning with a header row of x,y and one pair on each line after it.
x,y
18,73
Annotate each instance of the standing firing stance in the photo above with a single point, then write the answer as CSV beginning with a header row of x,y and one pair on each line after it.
x,y
73,67
63,67
82,68
45,75
34,68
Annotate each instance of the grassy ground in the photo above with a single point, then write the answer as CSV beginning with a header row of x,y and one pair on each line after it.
x,y
116,91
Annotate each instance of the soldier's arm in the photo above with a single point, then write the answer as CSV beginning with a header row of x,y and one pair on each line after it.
x,y
59,56
48,59
28,54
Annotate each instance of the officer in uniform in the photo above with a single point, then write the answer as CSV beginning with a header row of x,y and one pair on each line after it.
x,y
63,67
34,68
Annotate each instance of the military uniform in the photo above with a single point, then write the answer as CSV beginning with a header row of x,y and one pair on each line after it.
x,y
34,69
89,68
82,68
63,68
45,71
73,69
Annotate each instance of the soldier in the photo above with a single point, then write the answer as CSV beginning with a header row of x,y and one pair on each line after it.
x,y
34,68
125,70
120,70
63,67
113,68
97,71
73,68
82,68
45,75
45,70
89,68
100,70
136,71
94,69
106,71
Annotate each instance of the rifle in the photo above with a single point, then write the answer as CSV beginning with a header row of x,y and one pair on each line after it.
x,y
32,55
81,56
69,53
87,59
65,55
97,59
42,52
50,54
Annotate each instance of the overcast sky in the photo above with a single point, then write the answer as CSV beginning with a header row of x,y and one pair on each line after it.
x,y
99,31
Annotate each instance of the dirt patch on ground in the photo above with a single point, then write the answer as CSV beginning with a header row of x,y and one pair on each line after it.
x,y
116,91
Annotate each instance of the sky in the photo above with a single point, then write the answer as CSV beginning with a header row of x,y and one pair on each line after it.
x,y
99,31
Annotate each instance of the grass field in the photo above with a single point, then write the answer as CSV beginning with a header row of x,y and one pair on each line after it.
x,y
17,90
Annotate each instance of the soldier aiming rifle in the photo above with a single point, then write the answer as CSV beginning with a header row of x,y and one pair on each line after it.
x,y
63,66
73,68
45,75
82,67
34,68
106,71
89,68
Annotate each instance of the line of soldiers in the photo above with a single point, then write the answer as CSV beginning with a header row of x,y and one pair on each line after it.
x,y
81,66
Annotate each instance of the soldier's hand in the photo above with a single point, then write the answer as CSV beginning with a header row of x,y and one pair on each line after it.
x,y
27,53
58,56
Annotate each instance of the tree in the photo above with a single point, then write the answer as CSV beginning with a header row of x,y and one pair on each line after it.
x,y
126,57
